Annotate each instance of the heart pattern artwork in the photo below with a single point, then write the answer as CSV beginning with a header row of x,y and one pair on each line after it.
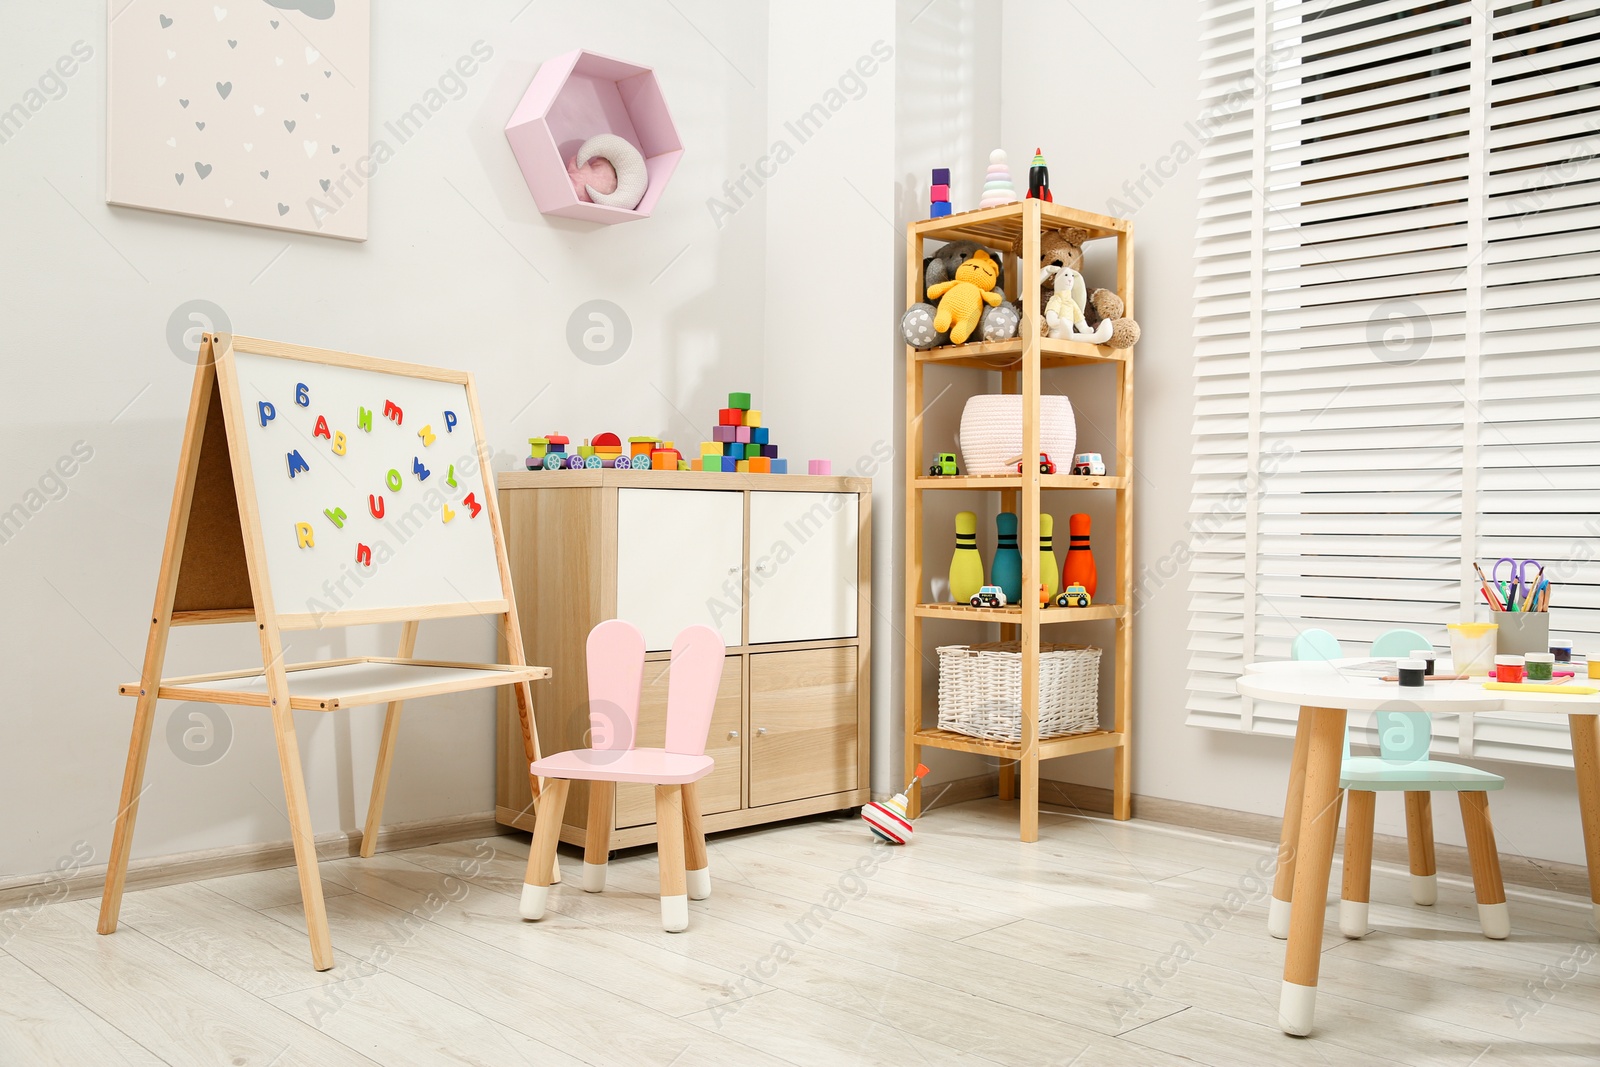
x,y
221,154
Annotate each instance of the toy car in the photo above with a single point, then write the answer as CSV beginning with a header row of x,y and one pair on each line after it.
x,y
1073,596
1089,463
945,464
1046,465
990,596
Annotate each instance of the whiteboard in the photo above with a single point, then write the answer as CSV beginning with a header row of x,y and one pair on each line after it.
x,y
379,527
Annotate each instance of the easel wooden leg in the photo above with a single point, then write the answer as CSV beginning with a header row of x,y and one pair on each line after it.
x,y
1289,833
1586,763
391,731
127,812
544,869
1356,895
1029,765
305,848
697,875
1319,826
669,851
1419,840
597,837
1494,915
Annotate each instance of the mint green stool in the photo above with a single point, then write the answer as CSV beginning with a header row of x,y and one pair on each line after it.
x,y
1403,765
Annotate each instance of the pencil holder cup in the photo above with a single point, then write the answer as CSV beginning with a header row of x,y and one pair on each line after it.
x,y
1472,648
1522,632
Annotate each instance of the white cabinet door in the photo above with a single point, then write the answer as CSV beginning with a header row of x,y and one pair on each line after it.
x,y
803,566
679,553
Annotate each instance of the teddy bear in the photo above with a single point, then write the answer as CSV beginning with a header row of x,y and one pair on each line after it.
x,y
962,298
1064,312
1104,309
996,323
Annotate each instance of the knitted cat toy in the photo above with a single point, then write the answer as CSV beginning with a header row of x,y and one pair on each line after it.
x,y
961,300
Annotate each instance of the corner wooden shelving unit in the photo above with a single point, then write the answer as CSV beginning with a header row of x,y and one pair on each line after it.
x,y
1014,230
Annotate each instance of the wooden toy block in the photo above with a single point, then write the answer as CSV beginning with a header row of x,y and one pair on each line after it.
x,y
751,451
724,433
770,451
752,417
779,466
742,466
711,446
729,465
665,459
939,209
819,466
742,434
586,451
641,446
758,434
941,175
739,400
760,465
939,192
733,448
729,417
683,464
607,442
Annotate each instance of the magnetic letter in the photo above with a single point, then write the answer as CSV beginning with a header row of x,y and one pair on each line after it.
x,y
302,532
419,470
297,463
302,397
450,476
427,435
321,429
363,555
393,479
335,516
267,412
448,514
473,504
338,442
364,418
449,422
375,505
392,412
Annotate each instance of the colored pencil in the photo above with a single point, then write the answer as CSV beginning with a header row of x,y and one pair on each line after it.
x,y
1494,602
1533,594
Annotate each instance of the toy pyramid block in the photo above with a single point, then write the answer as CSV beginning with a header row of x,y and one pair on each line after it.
x,y
779,466
758,434
760,465
730,417
940,209
733,448
712,447
770,451
751,451
752,417
724,434
742,434
741,401
941,176
939,192
729,465
742,466
683,464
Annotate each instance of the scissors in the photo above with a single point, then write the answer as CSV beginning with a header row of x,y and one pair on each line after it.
x,y
1524,575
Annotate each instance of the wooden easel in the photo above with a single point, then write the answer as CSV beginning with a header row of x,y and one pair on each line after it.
x,y
214,570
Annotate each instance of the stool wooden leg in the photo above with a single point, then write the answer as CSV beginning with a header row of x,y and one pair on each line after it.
x,y
1319,826
669,851
542,855
597,838
1289,832
1586,762
1419,836
1494,915
697,877
1357,893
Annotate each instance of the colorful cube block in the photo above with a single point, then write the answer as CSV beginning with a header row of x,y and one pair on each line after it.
x,y
939,209
779,466
733,448
760,465
770,451
742,467
752,417
819,466
711,446
729,464
739,400
941,175
724,433
939,192
730,417
758,434
742,434
751,451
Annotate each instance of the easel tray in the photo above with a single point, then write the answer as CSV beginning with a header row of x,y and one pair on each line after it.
x,y
329,685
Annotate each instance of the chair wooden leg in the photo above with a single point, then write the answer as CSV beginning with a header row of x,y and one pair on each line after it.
x,y
542,856
1289,832
597,840
1319,826
1586,763
1357,892
697,876
1494,915
1419,836
669,850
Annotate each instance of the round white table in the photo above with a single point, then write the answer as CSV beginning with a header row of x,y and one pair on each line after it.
x,y
1326,691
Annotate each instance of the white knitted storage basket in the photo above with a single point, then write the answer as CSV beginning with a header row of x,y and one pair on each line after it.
x,y
991,432
980,690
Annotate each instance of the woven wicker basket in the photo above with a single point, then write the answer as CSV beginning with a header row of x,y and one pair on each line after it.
x,y
991,432
980,690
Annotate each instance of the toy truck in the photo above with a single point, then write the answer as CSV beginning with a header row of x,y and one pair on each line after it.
x,y
990,596
1089,463
945,464
1073,596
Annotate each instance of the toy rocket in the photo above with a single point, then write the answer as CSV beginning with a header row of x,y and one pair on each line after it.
x,y
1039,180
888,818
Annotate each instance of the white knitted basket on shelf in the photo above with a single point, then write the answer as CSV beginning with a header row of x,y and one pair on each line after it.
x,y
991,432
980,690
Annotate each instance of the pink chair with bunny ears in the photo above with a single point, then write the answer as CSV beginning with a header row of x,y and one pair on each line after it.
x,y
615,654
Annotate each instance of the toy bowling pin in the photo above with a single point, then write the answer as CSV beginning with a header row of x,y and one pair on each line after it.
x,y
1049,573
966,566
1006,571
1080,558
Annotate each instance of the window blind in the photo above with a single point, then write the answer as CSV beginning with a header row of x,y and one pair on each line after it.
x,y
1397,332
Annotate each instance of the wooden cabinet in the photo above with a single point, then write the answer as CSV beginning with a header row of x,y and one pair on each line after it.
x,y
775,563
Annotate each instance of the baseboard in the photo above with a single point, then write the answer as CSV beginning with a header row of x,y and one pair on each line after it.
x,y
33,890
959,791
1546,875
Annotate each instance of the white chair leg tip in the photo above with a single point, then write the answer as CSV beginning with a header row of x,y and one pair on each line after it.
x,y
1297,1005
1353,918
534,898
674,914
699,883
594,877
1278,918
1425,889
1495,920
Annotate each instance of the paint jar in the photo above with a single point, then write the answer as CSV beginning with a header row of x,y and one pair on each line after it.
x,y
1426,655
1508,668
1540,666
1412,671
1594,668
1561,649
1472,647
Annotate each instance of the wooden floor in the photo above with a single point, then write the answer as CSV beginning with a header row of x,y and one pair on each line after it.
x,y
1104,943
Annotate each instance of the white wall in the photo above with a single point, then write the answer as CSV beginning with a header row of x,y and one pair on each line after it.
x,y
1109,128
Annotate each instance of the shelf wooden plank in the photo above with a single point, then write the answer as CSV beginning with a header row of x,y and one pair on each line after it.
x,y
1002,225
1012,613
1014,481
996,355
1049,748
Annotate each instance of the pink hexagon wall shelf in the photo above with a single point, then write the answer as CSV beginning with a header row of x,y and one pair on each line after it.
x,y
572,98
